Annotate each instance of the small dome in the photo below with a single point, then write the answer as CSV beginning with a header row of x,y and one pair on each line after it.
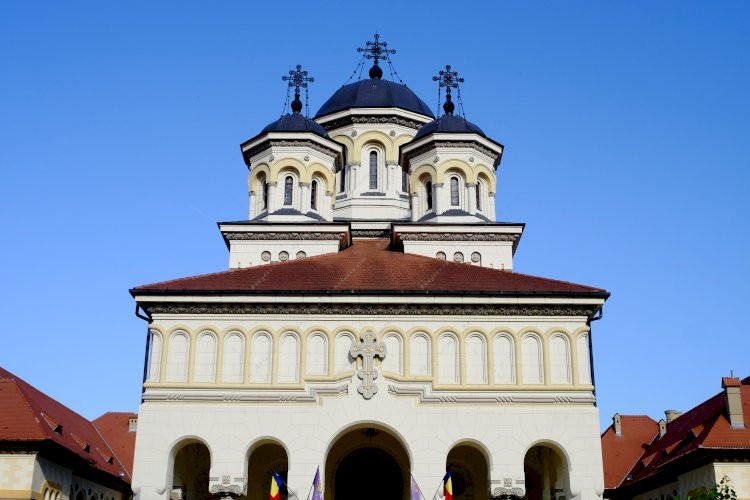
x,y
295,122
374,93
449,124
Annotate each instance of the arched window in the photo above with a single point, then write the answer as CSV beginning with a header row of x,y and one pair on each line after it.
x,y
392,361
288,190
343,362
177,357
233,358
478,192
263,192
454,192
476,360
448,371
260,358
428,194
154,365
582,350
314,195
373,170
559,360
317,354
531,360
205,358
289,359
419,355
504,362
342,187
404,182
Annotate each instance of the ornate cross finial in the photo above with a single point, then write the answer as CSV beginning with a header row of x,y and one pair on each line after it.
x,y
298,79
448,79
376,50
368,348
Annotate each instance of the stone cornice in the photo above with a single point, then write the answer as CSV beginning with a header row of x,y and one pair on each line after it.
x,y
289,143
475,145
361,309
374,119
513,237
294,235
422,391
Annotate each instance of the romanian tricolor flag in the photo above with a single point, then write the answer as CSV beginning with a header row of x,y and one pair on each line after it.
x,y
276,483
447,486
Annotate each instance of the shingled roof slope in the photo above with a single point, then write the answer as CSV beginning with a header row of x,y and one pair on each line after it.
x,y
114,427
370,266
30,418
620,453
702,430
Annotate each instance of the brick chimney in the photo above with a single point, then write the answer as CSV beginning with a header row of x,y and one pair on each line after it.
x,y
733,400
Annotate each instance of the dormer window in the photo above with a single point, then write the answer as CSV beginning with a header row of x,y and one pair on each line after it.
x,y
373,170
288,189
454,192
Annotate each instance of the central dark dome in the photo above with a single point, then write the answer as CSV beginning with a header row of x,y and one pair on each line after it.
x,y
374,93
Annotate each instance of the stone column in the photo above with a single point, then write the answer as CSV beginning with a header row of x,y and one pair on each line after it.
x,y
492,206
416,212
327,209
394,180
252,199
304,197
354,189
440,202
472,194
273,203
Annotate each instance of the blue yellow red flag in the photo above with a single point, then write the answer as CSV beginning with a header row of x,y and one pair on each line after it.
x,y
276,483
447,486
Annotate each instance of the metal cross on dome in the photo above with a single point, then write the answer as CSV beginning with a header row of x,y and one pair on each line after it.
x,y
368,348
448,79
298,79
376,50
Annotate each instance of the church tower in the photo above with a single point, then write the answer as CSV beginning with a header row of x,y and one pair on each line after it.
x,y
371,326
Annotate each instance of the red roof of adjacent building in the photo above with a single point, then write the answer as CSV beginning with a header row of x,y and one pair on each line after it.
x,y
620,453
30,418
705,429
115,429
370,266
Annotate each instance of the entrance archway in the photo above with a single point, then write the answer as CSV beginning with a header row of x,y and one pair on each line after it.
x,y
546,474
469,472
263,460
190,471
367,463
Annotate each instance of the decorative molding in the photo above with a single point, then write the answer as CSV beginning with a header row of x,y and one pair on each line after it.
x,y
356,120
226,486
513,237
371,233
368,348
454,144
295,235
425,394
311,394
296,143
362,309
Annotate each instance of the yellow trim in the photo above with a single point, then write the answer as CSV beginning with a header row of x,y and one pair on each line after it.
x,y
283,165
25,494
252,180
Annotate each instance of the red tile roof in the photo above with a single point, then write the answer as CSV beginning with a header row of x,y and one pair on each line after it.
x,y
703,430
113,427
620,453
30,418
370,266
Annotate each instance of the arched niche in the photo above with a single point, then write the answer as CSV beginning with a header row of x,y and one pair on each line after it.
x,y
367,448
469,470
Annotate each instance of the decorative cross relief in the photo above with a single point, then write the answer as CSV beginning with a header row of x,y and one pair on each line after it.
x,y
368,348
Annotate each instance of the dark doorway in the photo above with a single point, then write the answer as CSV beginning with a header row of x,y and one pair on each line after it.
x,y
355,472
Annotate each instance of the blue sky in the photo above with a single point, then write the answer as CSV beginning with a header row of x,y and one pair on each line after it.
x,y
625,125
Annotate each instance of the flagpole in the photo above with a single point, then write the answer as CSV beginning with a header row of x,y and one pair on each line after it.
x,y
285,484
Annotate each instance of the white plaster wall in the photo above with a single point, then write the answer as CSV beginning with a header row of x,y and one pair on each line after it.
x,y
494,254
246,253
739,475
307,430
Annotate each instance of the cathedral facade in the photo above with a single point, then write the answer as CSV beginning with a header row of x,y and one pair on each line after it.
x,y
371,324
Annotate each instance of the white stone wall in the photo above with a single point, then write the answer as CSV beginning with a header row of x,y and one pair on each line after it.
x,y
494,254
246,253
428,418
